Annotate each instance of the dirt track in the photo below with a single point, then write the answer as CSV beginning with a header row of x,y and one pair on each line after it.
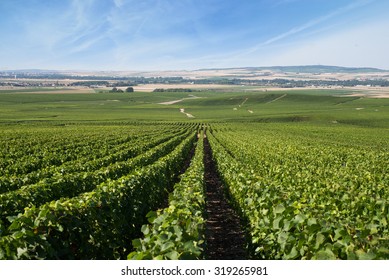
x,y
224,235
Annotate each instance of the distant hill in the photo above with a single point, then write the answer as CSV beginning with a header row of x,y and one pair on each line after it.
x,y
310,69
37,71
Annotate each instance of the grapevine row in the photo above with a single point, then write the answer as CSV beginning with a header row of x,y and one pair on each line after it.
x,y
88,163
177,232
298,206
98,224
70,185
29,152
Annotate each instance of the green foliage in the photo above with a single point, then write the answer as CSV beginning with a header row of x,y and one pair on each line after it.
x,y
62,185
115,89
305,199
307,171
98,224
177,232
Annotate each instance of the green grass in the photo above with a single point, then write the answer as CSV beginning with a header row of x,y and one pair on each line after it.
x,y
309,106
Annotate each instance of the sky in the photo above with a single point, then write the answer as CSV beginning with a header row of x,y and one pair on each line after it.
x,y
110,35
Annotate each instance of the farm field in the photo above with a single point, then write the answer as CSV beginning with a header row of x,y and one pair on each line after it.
x,y
121,175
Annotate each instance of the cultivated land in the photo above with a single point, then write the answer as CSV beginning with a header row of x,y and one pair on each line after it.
x,y
227,172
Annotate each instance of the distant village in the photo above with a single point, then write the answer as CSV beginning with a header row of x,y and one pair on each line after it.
x,y
30,79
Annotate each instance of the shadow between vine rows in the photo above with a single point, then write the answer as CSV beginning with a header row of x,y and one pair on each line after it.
x,y
225,239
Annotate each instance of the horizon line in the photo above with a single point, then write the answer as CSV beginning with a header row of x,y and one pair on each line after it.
x,y
193,70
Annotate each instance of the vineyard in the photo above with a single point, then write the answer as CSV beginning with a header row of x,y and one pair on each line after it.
x,y
304,197
137,189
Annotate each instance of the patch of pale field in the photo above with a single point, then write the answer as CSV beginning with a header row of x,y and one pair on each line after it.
x,y
370,92
251,74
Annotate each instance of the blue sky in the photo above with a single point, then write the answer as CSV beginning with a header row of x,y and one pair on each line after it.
x,y
192,34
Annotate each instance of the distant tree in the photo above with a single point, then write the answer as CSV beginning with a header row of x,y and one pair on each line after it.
x,y
130,89
115,89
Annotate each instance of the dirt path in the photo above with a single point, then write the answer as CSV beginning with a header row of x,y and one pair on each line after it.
x,y
240,105
224,235
179,100
278,98
187,114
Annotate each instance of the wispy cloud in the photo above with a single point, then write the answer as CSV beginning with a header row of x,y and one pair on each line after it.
x,y
362,45
186,33
119,3
263,52
310,24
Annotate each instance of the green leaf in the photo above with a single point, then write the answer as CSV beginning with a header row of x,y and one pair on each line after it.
x,y
293,254
351,255
340,233
43,213
362,255
320,238
312,221
166,246
151,216
299,218
133,255
145,229
282,238
18,234
191,249
276,223
163,237
325,255
21,252
373,229
173,255
279,209
137,243
287,225
177,231
384,223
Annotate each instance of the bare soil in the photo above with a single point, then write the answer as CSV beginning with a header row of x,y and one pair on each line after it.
x,y
225,238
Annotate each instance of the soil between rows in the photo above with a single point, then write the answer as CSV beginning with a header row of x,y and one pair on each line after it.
x,y
225,239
